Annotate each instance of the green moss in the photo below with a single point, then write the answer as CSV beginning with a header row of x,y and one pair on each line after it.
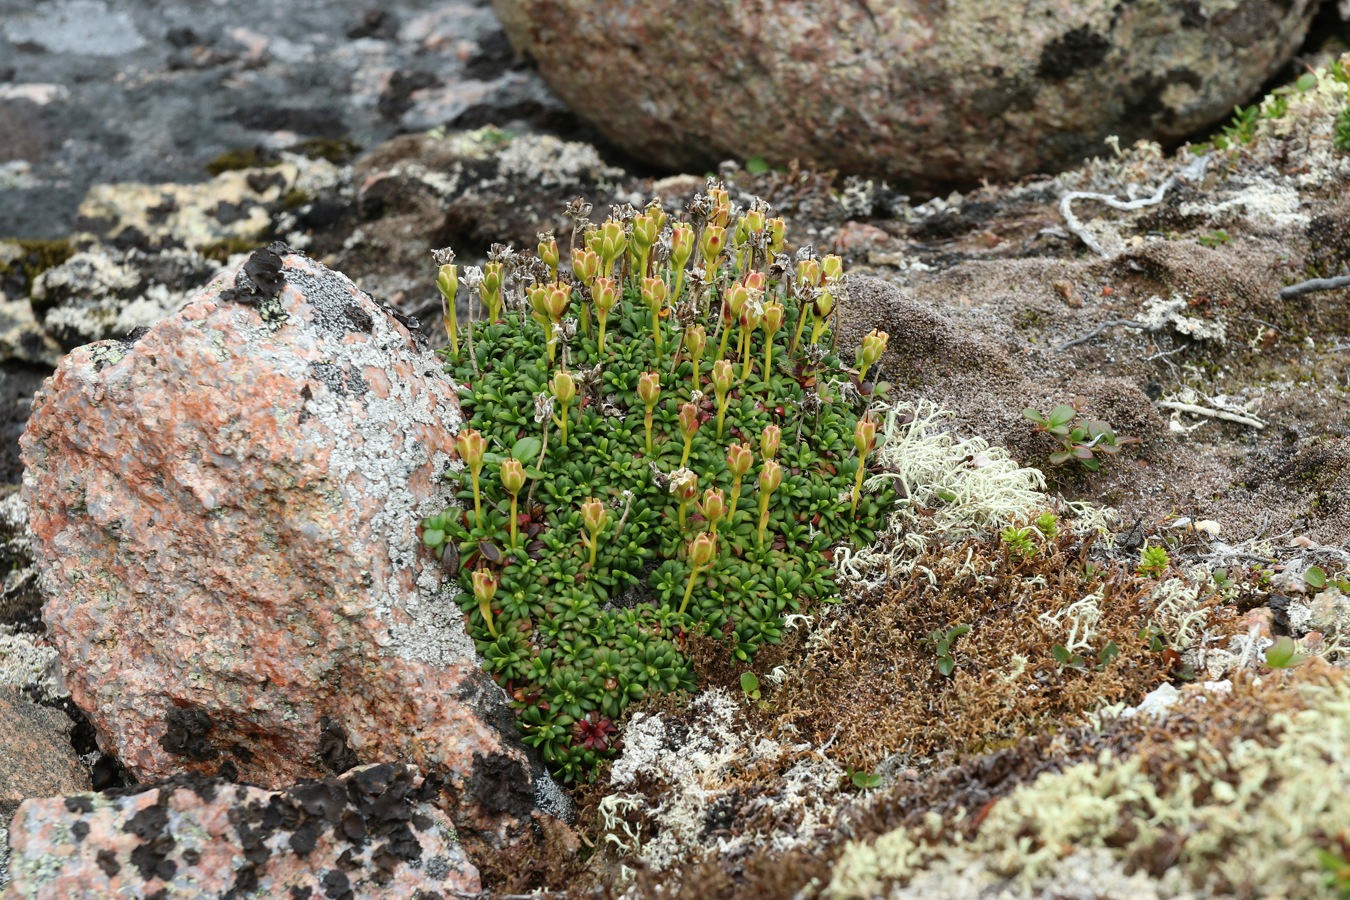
x,y
242,158
336,151
223,249
294,199
35,257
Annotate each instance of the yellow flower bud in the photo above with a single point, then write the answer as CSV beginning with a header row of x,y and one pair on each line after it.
x,y
808,272
594,516
739,459
681,245
754,220
471,446
770,477
832,267
645,232
484,586
586,266
824,304
702,550
556,301
713,506
612,244
873,345
688,420
865,435
563,386
695,340
769,441
654,293
548,252
777,235
605,293
513,475
755,281
722,377
649,388
773,318
447,279
658,214
713,242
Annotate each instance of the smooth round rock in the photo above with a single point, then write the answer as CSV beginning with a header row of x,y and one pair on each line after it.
x,y
926,94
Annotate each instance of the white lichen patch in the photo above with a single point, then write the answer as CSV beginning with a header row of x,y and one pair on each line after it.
x,y
1159,314
552,162
1262,201
698,761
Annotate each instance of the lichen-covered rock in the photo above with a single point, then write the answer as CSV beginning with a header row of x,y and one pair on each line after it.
x,y
369,833
928,94
103,293
224,514
36,756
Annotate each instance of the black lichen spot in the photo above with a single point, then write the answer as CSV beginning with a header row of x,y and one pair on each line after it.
x,y
107,861
161,894
501,784
186,734
151,825
262,182
302,893
1072,52
228,771
437,868
79,805
325,799
336,885
304,838
333,749
264,117
80,830
397,96
360,319
428,895
191,856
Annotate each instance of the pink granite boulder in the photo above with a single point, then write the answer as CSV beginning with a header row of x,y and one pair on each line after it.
x,y
369,833
225,513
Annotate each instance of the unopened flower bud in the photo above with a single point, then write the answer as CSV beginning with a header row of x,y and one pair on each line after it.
x,y
484,586
492,279
644,233
612,242
681,245
769,441
754,220
658,213
722,377
702,550
824,304
684,484
548,251
563,386
751,314
713,506
594,515
770,476
695,340
586,266
755,281
739,459
808,272
832,267
471,446
605,293
447,280
777,236
873,345
773,318
654,292
737,295
513,475
649,388
713,242
688,420
556,301
865,434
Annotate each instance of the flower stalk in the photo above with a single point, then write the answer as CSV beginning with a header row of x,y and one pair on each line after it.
x,y
721,380
484,589
471,446
688,427
593,518
864,437
770,477
649,392
702,552
739,460
513,481
447,280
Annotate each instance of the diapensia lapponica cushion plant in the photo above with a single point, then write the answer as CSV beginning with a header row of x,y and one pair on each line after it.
x,y
659,440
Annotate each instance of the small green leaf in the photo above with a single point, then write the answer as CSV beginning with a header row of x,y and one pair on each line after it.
x,y
1306,82
1062,414
946,666
749,683
1315,576
527,448
945,495
1034,415
1062,654
756,165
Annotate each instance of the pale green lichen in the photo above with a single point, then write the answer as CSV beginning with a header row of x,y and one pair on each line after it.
x,y
1248,817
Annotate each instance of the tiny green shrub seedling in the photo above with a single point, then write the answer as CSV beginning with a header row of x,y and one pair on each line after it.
x,y
1084,440
750,685
622,406
1153,561
862,779
942,645
1283,654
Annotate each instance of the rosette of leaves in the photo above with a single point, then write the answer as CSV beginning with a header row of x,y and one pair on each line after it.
x,y
575,643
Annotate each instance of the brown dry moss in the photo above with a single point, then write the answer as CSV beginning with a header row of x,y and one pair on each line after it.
x,y
875,678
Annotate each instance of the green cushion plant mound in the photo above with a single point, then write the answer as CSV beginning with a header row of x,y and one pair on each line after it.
x,y
656,444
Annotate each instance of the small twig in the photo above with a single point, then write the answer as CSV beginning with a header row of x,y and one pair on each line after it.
x,y
1113,323
1193,170
1313,285
1211,413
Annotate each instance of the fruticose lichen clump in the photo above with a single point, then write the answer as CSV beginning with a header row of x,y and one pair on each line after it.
x,y
656,444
